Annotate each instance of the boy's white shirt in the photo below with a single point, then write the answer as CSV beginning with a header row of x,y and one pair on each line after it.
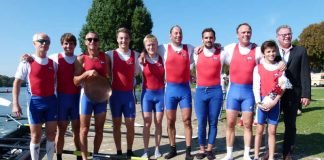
x,y
257,79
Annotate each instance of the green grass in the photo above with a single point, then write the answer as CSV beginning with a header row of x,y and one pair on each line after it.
x,y
310,128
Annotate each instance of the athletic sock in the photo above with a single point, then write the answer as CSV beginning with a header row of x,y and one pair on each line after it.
x,y
34,150
188,153
130,153
246,153
157,153
229,153
188,150
50,149
79,158
59,156
119,152
172,153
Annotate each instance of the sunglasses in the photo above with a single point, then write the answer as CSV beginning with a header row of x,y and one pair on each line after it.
x,y
42,41
92,39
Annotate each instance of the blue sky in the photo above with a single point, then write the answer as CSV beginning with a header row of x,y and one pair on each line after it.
x,y
21,19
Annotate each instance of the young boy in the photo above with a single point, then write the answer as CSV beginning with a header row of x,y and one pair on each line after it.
x,y
269,83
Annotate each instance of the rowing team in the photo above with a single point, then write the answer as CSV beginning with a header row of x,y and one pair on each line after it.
x,y
66,87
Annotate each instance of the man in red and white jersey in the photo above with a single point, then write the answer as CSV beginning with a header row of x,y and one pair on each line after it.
x,y
122,102
92,72
209,96
242,57
177,58
39,74
68,94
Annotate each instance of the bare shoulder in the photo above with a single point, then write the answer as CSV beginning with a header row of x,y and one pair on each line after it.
x,y
80,58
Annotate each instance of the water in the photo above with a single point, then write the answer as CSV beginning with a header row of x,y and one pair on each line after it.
x,y
9,126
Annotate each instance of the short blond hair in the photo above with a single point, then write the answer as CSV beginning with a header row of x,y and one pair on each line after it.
x,y
149,37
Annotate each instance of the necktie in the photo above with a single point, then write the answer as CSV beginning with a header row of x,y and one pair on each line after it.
x,y
284,55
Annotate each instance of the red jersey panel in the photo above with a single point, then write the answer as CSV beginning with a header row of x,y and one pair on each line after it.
x,y
268,79
42,78
65,74
153,75
123,72
99,64
177,65
241,66
208,69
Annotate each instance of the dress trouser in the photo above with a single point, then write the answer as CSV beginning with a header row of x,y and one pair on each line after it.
x,y
290,102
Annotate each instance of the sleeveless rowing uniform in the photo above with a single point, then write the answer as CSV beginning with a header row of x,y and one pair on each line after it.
x,y
122,99
100,65
240,94
152,98
177,70
42,105
67,93
268,79
209,95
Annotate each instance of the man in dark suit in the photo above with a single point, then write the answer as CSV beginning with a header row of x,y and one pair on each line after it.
x,y
298,73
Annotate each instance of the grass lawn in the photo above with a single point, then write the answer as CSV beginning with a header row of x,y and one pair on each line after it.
x,y
310,128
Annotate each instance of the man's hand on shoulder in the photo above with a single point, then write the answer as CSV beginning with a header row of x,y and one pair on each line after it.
x,y
26,58
282,66
141,58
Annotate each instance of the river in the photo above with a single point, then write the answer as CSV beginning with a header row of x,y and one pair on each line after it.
x,y
9,126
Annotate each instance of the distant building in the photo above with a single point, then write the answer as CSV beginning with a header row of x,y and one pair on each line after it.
x,y
317,79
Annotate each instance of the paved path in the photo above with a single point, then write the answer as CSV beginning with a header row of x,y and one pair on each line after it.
x,y
108,145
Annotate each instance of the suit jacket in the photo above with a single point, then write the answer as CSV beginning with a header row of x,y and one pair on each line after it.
x,y
298,71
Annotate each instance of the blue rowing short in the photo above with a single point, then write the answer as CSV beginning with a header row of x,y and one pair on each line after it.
x,y
175,94
42,109
122,102
272,115
87,106
68,106
240,98
152,100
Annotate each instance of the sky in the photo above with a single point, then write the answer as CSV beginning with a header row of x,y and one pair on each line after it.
x,y
20,19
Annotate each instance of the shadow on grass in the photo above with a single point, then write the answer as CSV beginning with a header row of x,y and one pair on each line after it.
x,y
305,145
313,108
305,110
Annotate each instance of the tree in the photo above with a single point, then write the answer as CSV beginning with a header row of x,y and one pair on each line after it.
x,y
106,16
312,38
295,42
6,81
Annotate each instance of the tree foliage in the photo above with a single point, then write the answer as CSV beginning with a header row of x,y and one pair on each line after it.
x,y
106,16
312,38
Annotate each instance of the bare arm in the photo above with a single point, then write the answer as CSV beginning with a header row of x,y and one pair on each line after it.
x,y
141,58
79,75
16,109
109,66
